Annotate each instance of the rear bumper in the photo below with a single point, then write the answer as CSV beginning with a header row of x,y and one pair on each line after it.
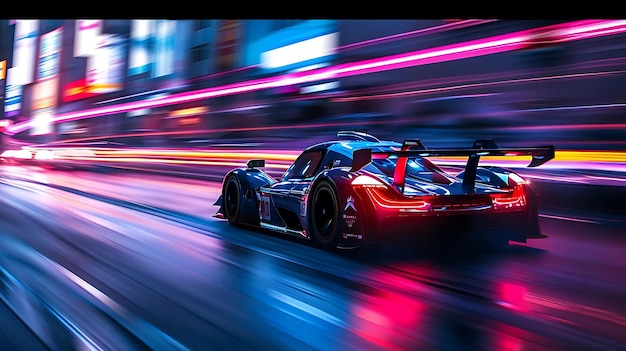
x,y
479,226
455,217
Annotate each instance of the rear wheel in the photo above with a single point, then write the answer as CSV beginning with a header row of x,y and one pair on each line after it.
x,y
231,195
324,216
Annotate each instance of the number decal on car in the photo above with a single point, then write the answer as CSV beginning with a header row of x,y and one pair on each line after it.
x,y
264,207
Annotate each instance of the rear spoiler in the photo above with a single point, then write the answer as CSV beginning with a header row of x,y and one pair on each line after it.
x,y
481,147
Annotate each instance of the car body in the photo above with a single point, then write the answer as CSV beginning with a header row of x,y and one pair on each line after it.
x,y
357,190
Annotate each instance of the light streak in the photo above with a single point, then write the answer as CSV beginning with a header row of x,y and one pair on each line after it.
x,y
411,34
612,179
585,126
495,78
575,160
580,107
131,96
562,155
246,68
481,47
140,160
476,85
567,218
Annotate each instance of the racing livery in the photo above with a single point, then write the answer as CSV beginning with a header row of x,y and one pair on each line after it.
x,y
357,190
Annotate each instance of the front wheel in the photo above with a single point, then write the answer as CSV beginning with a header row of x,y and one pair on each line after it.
x,y
231,195
324,216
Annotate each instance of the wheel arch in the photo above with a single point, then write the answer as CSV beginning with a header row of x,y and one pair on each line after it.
x,y
340,179
249,181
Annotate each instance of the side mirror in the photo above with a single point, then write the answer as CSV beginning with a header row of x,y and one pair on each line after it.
x,y
256,163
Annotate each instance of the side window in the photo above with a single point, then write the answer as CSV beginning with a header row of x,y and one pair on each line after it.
x,y
305,165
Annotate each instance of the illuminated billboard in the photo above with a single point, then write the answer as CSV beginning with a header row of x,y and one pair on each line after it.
x,y
13,95
152,47
86,36
49,54
45,93
45,90
140,60
41,122
306,50
105,67
76,90
24,51
165,40
23,70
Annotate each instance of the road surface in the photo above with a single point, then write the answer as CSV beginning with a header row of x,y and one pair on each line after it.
x,y
125,261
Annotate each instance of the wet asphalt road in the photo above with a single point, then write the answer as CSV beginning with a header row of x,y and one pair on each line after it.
x,y
121,261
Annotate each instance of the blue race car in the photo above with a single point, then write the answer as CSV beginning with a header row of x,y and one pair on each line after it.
x,y
358,190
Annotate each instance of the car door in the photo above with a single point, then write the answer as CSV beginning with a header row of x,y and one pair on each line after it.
x,y
279,193
304,169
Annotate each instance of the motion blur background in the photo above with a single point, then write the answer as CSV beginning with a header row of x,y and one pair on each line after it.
x,y
542,81
95,254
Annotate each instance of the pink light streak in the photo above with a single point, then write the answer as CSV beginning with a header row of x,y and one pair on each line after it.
x,y
571,219
430,30
246,68
491,45
476,85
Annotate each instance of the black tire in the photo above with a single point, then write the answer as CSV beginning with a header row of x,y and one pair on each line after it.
x,y
231,199
324,216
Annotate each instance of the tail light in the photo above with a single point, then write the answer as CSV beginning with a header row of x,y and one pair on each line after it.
x,y
365,181
515,199
385,197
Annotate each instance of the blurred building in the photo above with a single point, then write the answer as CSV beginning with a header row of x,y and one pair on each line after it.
x,y
275,47
94,63
6,57
64,66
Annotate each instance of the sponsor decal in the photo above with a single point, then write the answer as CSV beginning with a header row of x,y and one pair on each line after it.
x,y
350,203
264,207
350,219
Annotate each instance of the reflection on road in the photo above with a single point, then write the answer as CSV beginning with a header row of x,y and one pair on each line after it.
x,y
144,251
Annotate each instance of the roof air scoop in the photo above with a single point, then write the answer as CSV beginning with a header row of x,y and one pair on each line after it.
x,y
357,135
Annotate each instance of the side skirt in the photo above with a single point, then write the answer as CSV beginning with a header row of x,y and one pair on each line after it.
x,y
276,228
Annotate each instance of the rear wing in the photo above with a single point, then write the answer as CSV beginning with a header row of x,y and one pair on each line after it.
x,y
481,147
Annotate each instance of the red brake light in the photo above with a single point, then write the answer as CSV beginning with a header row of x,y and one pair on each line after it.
x,y
514,200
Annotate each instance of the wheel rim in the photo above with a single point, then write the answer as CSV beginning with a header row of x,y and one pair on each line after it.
x,y
231,198
324,214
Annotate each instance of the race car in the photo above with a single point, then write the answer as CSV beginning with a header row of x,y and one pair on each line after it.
x,y
358,190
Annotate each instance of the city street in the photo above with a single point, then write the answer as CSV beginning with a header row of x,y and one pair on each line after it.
x,y
117,137
137,261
